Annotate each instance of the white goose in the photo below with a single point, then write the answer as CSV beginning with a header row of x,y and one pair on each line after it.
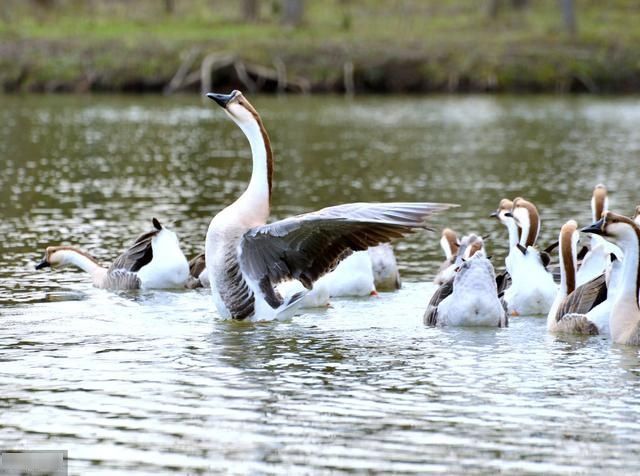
x,y
154,261
246,257
571,308
471,297
624,320
598,258
532,289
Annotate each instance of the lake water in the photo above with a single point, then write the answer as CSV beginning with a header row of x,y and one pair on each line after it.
x,y
154,382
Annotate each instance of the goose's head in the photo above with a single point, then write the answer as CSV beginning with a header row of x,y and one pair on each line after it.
x,y
599,201
504,208
527,218
59,256
237,108
615,226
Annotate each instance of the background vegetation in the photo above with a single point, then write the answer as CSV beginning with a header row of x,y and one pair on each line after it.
x,y
312,45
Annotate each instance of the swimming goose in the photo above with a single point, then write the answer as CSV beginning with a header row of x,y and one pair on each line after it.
x,y
153,261
598,258
532,289
351,278
624,320
470,298
450,244
386,275
246,257
569,311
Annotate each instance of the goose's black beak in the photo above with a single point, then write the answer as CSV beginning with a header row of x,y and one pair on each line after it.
x,y
596,228
43,264
223,99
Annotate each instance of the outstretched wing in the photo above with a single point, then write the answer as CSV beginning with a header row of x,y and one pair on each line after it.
x,y
584,298
307,246
139,253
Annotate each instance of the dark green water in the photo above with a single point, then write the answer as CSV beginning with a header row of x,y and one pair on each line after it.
x,y
154,382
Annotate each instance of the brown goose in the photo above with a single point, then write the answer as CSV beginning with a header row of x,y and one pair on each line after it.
x,y
568,313
246,258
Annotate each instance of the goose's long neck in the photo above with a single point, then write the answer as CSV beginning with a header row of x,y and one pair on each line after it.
x,y
630,268
567,255
257,196
513,232
82,261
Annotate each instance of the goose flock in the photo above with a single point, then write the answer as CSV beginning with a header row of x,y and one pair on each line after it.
x,y
261,271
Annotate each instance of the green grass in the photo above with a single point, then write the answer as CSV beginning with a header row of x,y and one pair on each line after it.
x,y
450,37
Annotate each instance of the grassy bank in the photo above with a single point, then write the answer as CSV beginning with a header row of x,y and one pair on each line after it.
x,y
367,45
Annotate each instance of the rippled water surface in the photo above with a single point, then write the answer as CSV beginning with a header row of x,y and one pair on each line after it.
x,y
154,382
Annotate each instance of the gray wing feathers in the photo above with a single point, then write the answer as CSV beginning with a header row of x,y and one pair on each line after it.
x,y
584,298
120,279
430,317
137,255
307,246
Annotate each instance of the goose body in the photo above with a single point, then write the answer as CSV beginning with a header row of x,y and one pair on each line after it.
x,y
153,261
568,312
532,289
386,275
317,297
469,299
352,277
601,313
624,319
246,258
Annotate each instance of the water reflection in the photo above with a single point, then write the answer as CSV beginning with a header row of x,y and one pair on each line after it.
x,y
150,382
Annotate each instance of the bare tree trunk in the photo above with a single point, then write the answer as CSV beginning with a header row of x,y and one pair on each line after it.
x,y
169,6
292,12
250,11
569,16
519,4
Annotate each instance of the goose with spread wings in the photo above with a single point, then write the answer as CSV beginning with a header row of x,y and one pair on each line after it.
x,y
153,261
246,257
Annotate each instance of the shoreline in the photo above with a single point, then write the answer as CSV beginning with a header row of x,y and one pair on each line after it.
x,y
64,66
